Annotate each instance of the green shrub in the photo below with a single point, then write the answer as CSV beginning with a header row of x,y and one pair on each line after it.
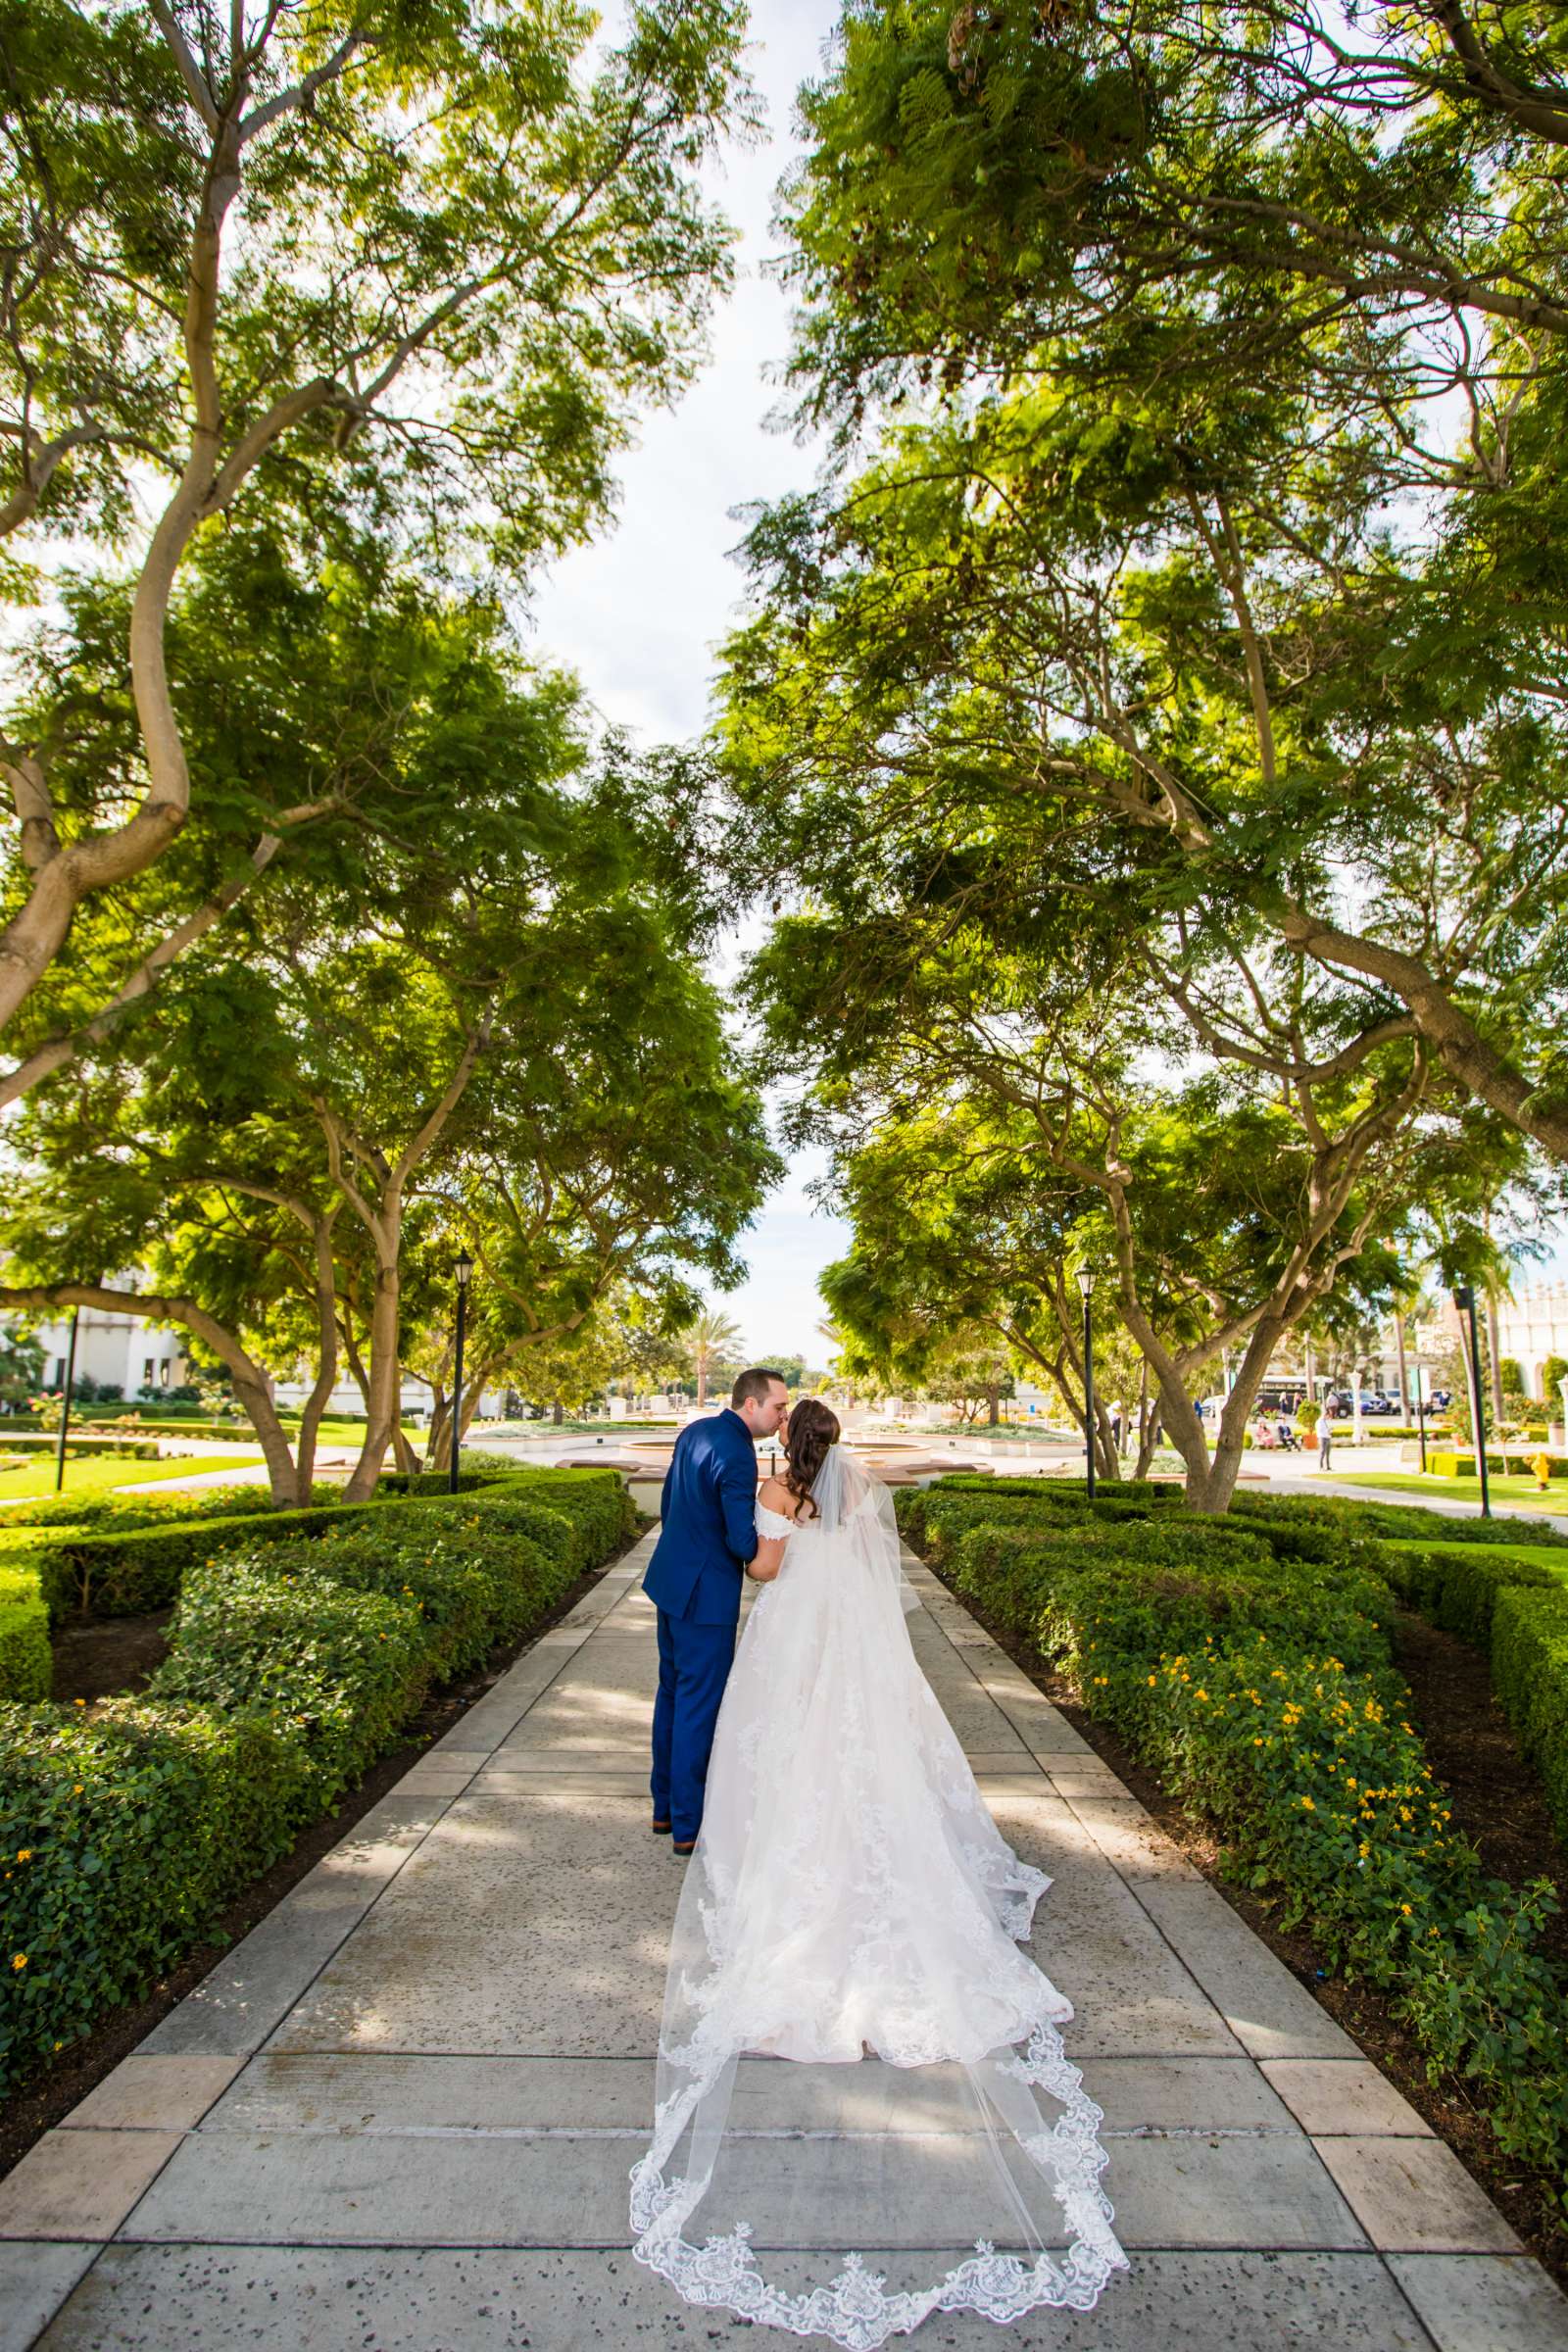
x,y
26,1663
336,1670
1530,1674
1259,1685
128,1832
302,1644
1457,1586
1390,1519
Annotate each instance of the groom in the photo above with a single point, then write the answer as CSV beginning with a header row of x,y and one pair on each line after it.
x,y
709,1510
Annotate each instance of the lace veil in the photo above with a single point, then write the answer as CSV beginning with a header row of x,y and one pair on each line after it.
x,y
852,1908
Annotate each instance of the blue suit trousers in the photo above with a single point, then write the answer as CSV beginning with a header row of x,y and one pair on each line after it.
x,y
694,1663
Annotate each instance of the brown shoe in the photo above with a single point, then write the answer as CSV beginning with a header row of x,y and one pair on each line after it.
x,y
678,1849
660,1827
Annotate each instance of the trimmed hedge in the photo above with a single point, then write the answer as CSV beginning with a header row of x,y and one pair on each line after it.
x,y
1261,1688
1456,1586
29,1443
1530,1674
297,1654
26,1663
115,1574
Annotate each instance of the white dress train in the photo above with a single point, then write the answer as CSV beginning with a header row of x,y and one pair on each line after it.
x,y
850,1898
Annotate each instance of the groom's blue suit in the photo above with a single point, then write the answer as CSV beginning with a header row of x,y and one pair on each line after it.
x,y
709,1510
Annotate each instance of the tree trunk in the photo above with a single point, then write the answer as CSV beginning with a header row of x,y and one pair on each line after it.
x,y
557,1413
1147,1429
701,1383
384,1397
1404,1376
993,1406
326,1369
1477,1420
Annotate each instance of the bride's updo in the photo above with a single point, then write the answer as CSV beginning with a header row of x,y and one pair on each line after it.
x,y
812,1429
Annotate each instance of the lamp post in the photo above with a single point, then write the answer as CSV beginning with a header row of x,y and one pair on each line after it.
x,y
1419,1379
64,1407
1086,1284
1464,1298
464,1276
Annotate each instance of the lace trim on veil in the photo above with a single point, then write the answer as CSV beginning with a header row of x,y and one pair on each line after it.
x,y
855,2309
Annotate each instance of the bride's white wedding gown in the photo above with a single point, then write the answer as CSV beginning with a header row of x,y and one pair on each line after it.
x,y
851,1896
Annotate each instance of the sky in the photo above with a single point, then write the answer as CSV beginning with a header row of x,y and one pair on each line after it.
x,y
640,613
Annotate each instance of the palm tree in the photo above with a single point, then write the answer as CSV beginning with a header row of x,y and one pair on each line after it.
x,y
705,1343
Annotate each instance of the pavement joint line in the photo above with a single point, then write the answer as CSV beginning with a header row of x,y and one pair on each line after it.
x,y
637,2134
1292,2249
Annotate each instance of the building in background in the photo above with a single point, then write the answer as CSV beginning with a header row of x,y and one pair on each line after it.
x,y
115,1350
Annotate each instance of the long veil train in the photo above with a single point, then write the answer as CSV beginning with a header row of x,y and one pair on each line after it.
x,y
851,1894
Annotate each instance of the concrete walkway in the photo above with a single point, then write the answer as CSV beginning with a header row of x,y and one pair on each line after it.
x,y
400,2116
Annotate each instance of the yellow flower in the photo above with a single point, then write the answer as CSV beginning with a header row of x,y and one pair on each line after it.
x,y
1406,1908
23,1853
79,1702
1257,1743
1200,1694
77,1791
1307,1805
19,1959
1153,1678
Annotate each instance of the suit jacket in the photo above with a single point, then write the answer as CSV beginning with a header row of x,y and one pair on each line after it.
x,y
708,1507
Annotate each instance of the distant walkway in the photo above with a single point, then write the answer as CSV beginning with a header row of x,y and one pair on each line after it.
x,y
401,2113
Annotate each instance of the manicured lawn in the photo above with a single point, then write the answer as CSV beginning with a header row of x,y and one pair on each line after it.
x,y
1540,1555
1518,1490
97,1474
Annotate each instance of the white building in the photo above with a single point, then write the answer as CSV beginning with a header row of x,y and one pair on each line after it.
x,y
114,1349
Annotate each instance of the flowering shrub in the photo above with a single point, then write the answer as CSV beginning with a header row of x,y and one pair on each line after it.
x,y
1259,1685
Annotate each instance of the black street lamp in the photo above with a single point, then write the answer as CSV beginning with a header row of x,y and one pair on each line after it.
x,y
464,1277
1464,1298
64,1407
1086,1284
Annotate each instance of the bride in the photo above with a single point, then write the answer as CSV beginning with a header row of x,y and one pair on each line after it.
x,y
849,1900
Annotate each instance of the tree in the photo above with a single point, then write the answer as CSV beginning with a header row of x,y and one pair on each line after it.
x,y
444,255
1019,1119
1204,566
21,1366
316,1100
712,1342
631,1164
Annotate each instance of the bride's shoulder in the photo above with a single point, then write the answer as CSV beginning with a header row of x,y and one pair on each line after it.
x,y
774,1496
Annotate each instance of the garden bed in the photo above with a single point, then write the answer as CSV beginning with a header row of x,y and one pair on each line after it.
x,y
302,1646
39,2105
1251,1665
1361,2009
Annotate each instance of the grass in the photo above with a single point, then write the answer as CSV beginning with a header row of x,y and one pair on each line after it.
x,y
1541,1555
1519,1490
98,1474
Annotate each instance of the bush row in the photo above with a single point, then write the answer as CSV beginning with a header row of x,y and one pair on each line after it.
x,y
1257,1681
32,1442
121,1562
295,1659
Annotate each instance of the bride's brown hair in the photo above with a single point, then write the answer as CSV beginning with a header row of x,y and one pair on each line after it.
x,y
813,1428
